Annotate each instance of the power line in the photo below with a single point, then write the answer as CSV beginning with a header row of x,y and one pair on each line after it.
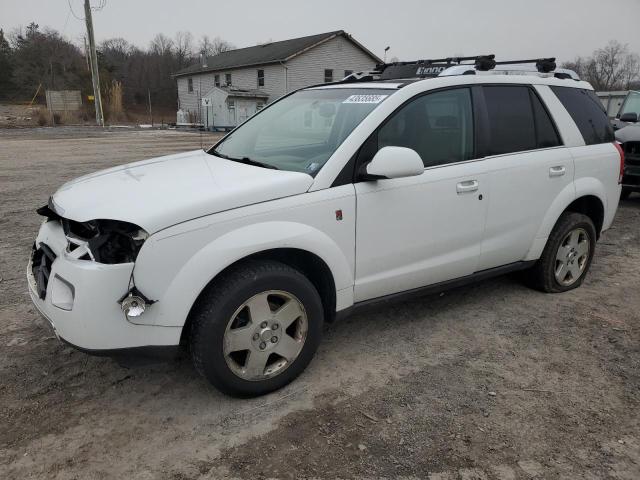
x,y
100,6
74,13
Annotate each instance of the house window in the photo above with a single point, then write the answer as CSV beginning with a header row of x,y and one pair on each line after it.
x,y
190,85
328,76
261,78
348,72
227,78
216,80
231,103
259,105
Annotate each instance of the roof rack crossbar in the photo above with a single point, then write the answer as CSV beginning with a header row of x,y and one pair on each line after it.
x,y
543,65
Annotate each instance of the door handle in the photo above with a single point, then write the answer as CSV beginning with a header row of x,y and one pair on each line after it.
x,y
557,171
467,186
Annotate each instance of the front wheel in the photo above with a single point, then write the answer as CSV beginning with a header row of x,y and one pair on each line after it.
x,y
256,328
567,256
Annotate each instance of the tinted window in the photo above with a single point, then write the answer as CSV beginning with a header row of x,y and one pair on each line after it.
x,y
439,126
546,133
587,112
511,123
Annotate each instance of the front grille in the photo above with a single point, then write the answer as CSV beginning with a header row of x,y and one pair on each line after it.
x,y
632,153
41,261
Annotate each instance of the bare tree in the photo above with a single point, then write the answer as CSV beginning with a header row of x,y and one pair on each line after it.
x,y
162,45
183,48
613,67
214,47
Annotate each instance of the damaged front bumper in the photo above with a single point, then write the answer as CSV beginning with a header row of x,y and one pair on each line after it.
x,y
79,298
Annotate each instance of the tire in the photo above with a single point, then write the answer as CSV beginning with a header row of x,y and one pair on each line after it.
x,y
280,342
626,192
546,272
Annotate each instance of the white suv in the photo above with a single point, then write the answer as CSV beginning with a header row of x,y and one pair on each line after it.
x,y
332,197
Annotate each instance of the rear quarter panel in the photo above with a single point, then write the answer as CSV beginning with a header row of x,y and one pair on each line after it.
x,y
597,170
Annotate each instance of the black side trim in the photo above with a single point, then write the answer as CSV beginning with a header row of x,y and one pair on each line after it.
x,y
166,352
436,287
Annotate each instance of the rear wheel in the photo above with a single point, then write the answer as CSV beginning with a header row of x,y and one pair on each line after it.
x,y
567,255
256,329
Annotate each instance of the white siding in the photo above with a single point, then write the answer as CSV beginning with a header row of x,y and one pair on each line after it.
x,y
338,54
240,77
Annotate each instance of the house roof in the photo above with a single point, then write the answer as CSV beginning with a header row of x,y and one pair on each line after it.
x,y
273,52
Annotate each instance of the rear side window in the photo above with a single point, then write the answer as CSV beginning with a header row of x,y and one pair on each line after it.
x,y
511,121
439,126
588,114
546,133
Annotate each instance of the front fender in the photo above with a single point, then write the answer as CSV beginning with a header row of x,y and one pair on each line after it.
x,y
176,300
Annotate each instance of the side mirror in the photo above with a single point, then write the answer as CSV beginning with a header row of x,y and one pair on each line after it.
x,y
630,117
395,162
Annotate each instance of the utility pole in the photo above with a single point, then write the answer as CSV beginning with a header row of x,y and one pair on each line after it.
x,y
95,78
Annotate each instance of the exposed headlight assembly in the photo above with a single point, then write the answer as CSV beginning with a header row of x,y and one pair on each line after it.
x,y
112,241
104,241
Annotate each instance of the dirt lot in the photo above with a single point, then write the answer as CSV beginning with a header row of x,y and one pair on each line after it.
x,y
489,381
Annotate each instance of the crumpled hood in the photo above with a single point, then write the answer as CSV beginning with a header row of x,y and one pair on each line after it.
x,y
160,192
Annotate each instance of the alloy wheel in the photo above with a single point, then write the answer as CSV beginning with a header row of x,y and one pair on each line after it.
x,y
572,257
265,335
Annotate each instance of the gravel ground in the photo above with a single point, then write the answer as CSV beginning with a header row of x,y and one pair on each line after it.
x,y
491,381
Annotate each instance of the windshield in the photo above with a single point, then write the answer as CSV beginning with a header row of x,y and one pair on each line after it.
x,y
631,104
299,133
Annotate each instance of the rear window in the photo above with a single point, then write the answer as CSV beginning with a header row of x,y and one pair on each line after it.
x,y
588,114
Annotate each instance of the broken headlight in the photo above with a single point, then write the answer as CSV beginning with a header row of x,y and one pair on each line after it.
x,y
104,241
109,241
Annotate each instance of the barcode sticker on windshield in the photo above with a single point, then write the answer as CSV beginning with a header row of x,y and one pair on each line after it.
x,y
365,98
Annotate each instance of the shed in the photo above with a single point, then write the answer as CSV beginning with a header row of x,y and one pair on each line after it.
x,y
223,108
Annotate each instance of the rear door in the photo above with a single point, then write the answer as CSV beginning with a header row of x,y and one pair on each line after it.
x,y
528,168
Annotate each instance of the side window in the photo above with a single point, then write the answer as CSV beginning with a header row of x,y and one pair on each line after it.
x,y
511,121
439,126
546,133
216,80
190,85
588,114
261,78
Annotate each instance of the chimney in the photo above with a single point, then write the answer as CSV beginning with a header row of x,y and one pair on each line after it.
x,y
203,59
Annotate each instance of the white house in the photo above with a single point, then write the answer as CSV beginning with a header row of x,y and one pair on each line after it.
x,y
224,90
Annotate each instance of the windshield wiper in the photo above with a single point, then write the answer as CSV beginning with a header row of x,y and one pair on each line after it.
x,y
245,160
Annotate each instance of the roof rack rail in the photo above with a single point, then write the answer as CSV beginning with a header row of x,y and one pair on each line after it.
x,y
430,68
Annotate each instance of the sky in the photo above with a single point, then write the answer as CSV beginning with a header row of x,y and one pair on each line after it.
x,y
414,29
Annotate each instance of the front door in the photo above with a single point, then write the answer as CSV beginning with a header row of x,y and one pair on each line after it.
x,y
417,231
